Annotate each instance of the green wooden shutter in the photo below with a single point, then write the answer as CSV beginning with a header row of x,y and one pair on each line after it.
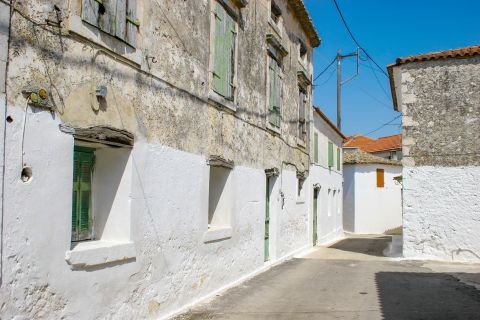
x,y
82,192
121,20
106,21
230,35
338,159
219,72
132,23
90,11
315,147
275,97
330,154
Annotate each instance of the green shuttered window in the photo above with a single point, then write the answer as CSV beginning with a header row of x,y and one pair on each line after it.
x,y
315,147
275,97
330,154
115,17
338,159
224,53
83,162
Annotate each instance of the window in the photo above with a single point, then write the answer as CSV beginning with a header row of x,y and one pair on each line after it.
x,y
315,147
219,198
224,53
302,103
330,154
338,159
275,93
380,178
83,162
115,17
300,188
102,179
275,12
302,50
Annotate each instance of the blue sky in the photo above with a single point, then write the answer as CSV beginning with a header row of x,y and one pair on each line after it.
x,y
387,29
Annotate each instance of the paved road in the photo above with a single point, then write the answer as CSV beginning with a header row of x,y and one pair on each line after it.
x,y
351,281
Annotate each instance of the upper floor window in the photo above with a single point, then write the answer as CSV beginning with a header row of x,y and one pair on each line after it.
x,y
115,17
302,105
302,51
224,53
330,155
315,147
275,93
275,12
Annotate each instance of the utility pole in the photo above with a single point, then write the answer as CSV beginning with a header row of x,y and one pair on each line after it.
x,y
340,83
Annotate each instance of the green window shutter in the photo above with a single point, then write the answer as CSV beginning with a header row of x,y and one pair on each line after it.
x,y
275,85
84,159
219,72
106,21
132,23
121,20
330,154
315,147
90,11
230,35
338,159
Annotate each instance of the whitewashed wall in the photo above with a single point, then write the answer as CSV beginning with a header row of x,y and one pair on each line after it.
x,y
372,210
329,207
441,218
171,267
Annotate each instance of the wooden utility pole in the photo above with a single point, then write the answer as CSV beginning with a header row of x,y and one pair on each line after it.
x,y
340,83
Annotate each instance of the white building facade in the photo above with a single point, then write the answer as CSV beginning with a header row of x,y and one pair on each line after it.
x,y
153,164
372,193
326,179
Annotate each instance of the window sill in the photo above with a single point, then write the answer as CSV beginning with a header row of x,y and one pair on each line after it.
x,y
272,128
94,253
275,27
300,200
301,143
221,102
105,40
215,233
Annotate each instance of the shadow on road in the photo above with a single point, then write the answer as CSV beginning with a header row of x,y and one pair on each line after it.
x,y
436,296
373,246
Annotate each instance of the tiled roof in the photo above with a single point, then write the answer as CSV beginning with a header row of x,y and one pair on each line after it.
x,y
305,21
446,54
370,145
329,122
360,157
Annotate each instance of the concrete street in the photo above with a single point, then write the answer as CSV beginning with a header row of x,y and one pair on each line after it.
x,y
351,280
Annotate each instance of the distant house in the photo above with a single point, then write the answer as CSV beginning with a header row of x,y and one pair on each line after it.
x,y
372,195
438,95
389,147
326,178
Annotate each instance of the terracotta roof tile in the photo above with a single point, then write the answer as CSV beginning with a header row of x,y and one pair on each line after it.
x,y
454,53
370,145
360,157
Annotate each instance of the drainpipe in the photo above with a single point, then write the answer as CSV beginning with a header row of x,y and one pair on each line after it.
x,y
5,33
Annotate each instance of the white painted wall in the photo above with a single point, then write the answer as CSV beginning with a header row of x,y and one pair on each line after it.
x,y
330,181
441,218
372,210
171,267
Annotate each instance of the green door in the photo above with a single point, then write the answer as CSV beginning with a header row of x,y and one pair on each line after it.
x,y
315,206
267,221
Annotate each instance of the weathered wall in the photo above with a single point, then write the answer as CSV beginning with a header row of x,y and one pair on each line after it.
x,y
440,102
165,105
4,36
375,209
329,220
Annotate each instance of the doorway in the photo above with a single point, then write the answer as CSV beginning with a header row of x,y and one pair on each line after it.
x,y
267,221
316,192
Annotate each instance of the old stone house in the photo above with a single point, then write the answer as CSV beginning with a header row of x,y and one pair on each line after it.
x,y
155,151
439,97
326,179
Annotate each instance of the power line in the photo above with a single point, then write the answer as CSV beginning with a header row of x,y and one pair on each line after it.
x,y
379,83
355,40
324,70
383,125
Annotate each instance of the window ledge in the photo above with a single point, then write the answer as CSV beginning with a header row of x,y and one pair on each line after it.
x,y
274,27
272,128
300,200
301,143
105,40
220,101
94,253
215,233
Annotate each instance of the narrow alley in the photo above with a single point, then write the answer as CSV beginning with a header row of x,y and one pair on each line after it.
x,y
351,280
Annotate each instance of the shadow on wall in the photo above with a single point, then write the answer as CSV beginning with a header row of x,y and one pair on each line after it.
x,y
371,246
435,296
